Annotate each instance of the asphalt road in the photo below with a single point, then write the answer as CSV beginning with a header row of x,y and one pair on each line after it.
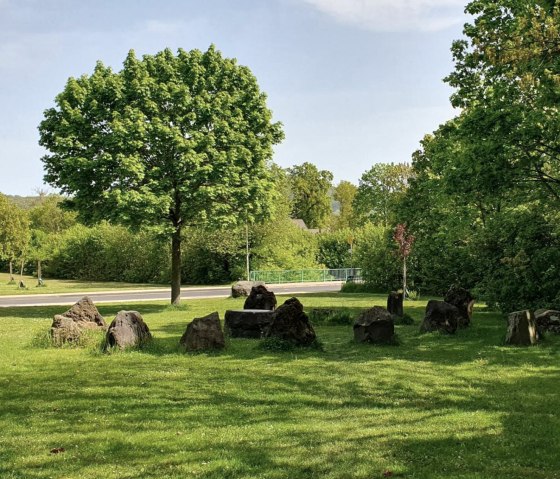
x,y
157,294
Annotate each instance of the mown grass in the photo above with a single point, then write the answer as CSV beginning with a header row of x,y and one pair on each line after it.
x,y
63,285
435,406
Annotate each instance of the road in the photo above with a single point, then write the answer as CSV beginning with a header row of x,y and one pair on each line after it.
x,y
133,296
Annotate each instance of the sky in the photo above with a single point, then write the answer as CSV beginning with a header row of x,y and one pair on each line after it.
x,y
354,82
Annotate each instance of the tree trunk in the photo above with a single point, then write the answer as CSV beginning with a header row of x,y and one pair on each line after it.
x,y
21,283
11,271
404,277
39,272
176,266
247,251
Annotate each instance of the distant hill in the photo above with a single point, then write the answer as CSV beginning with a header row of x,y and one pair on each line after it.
x,y
24,202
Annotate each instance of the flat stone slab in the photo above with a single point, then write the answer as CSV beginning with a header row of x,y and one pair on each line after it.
x,y
247,323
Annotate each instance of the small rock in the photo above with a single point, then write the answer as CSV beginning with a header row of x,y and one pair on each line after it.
x,y
128,329
204,334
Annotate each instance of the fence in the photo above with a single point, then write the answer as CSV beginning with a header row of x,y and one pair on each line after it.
x,y
308,275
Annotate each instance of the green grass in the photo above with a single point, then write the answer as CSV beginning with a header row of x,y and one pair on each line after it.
x,y
435,406
63,286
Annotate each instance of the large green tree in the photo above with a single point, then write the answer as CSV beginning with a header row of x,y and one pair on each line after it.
x,y
168,141
380,190
310,189
507,81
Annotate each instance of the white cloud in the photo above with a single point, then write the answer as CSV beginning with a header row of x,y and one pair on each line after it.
x,y
395,15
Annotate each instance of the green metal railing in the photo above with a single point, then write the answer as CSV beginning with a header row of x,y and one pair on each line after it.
x,y
308,275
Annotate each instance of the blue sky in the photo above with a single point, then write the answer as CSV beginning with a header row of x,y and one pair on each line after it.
x,y
355,82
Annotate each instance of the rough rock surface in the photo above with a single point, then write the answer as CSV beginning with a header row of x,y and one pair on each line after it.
x,y
243,288
290,323
68,327
395,303
203,334
260,298
128,329
440,316
374,325
247,323
548,320
463,300
522,328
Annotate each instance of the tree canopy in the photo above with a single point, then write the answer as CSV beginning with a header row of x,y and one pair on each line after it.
x,y
310,189
168,141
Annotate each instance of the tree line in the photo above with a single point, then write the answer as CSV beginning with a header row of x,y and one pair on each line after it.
x,y
178,147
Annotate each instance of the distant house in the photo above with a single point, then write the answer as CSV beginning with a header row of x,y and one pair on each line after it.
x,y
301,225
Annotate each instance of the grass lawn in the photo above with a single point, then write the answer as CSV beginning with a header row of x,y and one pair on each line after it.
x,y
433,407
63,286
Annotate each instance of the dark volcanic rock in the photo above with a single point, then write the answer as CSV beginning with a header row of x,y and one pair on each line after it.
x,y
204,334
68,326
463,300
548,320
290,323
128,329
260,298
440,316
395,303
243,288
374,325
247,323
522,328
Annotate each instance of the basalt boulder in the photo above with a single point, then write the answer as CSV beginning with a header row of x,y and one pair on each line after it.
x,y
522,329
128,330
548,320
260,298
204,334
291,324
440,316
247,323
69,326
374,325
395,303
243,288
463,300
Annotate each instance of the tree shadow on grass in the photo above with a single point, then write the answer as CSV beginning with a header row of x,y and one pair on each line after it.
x,y
221,419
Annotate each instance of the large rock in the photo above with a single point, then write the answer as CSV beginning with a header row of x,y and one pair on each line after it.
x,y
243,288
247,323
440,316
260,298
522,328
395,303
548,320
128,329
203,334
291,324
463,300
374,325
69,326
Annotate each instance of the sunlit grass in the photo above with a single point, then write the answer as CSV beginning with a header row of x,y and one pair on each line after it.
x,y
436,406
62,285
